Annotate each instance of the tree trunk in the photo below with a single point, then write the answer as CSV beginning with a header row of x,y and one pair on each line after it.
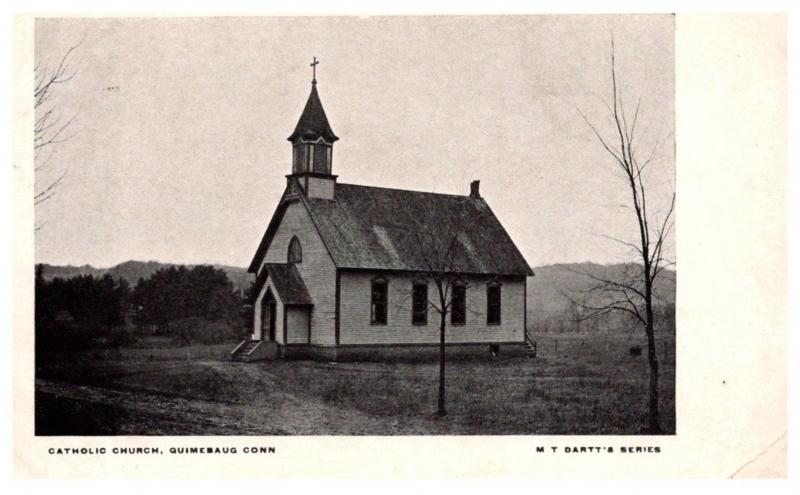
x,y
653,423
441,410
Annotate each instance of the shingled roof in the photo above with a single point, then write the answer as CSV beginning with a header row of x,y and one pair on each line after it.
x,y
383,229
287,282
313,122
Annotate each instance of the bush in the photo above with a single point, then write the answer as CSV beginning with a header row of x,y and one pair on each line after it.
x,y
188,331
121,337
60,338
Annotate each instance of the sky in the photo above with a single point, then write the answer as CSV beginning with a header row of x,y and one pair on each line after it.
x,y
178,149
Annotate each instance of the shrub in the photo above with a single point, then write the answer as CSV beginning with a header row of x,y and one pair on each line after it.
x,y
121,337
59,338
188,331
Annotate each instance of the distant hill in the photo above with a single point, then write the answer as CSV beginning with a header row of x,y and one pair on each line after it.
x,y
547,289
132,271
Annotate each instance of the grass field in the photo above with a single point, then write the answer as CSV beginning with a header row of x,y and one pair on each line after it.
x,y
577,384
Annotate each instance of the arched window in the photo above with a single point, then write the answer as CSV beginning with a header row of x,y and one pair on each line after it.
x,y
295,251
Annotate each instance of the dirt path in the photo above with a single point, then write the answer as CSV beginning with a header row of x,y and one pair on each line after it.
x,y
215,397
141,412
303,416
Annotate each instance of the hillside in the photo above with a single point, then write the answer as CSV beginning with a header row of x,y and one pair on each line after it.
x,y
548,289
132,271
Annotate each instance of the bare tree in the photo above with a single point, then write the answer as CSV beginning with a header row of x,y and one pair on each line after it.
x,y
575,315
441,252
49,126
633,293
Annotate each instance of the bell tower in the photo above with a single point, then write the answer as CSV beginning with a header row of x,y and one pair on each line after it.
x,y
312,147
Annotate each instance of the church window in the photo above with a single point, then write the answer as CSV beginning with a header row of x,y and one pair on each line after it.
x,y
295,251
380,301
458,307
493,299
419,303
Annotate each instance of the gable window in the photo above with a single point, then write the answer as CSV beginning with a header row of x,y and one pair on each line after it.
x,y
493,299
379,302
295,254
419,303
458,306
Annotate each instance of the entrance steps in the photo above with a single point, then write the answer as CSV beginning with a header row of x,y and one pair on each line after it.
x,y
254,350
530,345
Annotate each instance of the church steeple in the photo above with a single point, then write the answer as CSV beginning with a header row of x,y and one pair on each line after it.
x,y
312,143
313,123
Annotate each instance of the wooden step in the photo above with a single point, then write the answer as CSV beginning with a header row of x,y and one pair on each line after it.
x,y
530,344
244,351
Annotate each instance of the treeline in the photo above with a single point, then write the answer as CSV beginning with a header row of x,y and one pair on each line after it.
x,y
93,303
192,305
573,318
171,294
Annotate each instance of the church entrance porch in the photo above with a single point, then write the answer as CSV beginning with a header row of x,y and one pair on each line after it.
x,y
263,344
268,312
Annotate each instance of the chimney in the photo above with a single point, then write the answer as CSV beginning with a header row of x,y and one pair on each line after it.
x,y
474,189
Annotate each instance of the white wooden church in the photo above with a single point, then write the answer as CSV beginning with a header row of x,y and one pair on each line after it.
x,y
340,269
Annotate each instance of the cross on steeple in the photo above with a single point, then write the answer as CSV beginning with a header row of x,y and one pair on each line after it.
x,y
314,69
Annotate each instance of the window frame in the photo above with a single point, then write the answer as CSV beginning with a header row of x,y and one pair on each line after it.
x,y
378,281
415,310
460,286
294,241
490,287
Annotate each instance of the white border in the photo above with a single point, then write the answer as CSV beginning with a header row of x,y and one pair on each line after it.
x,y
408,7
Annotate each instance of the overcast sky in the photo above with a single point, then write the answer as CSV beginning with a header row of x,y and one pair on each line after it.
x,y
179,154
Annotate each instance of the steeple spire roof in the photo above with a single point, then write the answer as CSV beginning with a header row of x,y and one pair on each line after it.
x,y
313,123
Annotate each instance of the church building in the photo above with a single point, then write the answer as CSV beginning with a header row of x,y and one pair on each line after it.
x,y
344,269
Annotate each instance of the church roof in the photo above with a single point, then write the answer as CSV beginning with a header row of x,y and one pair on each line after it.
x,y
313,122
287,282
390,229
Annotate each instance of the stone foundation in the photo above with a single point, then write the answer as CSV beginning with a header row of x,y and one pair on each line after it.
x,y
317,353
404,353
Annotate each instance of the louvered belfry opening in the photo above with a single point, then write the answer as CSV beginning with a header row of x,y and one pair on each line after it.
x,y
312,149
312,157
321,153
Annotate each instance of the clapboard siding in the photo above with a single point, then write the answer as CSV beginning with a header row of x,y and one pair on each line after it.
x,y
355,327
296,325
317,269
320,188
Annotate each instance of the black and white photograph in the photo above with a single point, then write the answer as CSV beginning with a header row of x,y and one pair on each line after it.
x,y
399,244
355,226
